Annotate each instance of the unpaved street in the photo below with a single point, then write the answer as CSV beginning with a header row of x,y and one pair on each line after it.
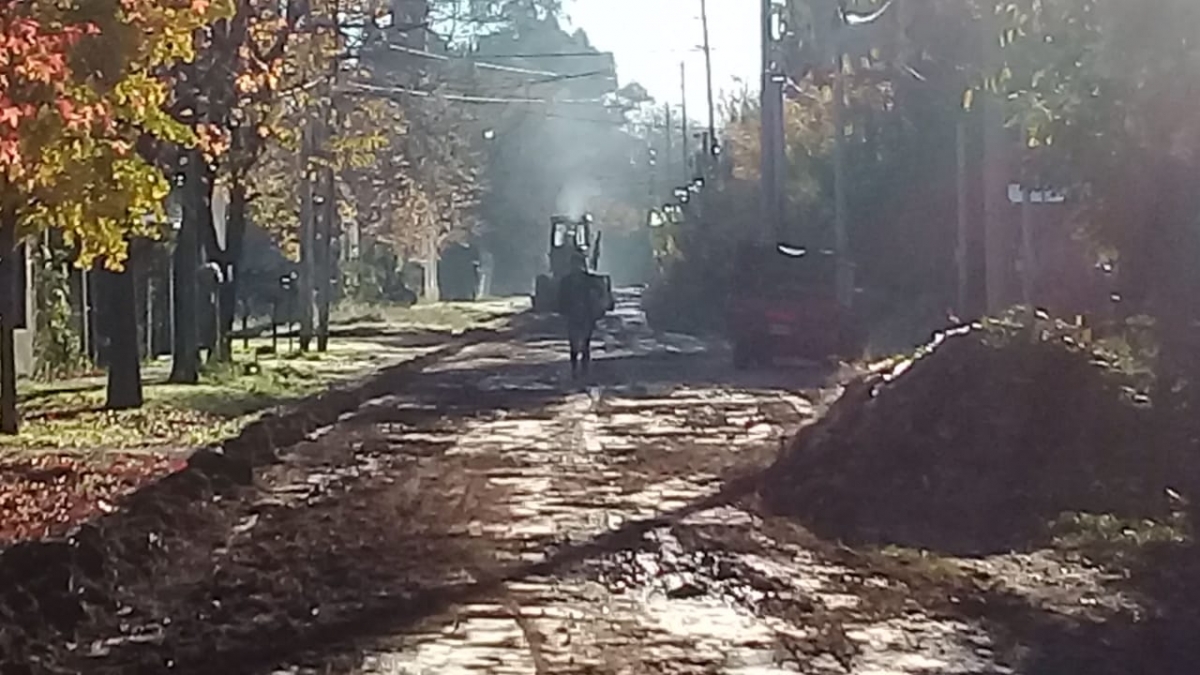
x,y
601,508
485,514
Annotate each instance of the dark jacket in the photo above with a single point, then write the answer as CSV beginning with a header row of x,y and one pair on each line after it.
x,y
583,297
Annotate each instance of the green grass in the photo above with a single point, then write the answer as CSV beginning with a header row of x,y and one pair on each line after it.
x,y
69,415
1117,542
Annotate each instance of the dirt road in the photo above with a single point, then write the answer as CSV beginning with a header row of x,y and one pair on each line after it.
x,y
601,538
489,515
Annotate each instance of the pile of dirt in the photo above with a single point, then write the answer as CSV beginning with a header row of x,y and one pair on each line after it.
x,y
974,444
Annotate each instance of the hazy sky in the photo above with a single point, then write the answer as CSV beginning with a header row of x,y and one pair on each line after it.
x,y
651,37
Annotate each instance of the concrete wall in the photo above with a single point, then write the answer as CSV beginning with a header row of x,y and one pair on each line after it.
x,y
23,337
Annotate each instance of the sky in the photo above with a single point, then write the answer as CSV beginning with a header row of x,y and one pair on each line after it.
x,y
650,38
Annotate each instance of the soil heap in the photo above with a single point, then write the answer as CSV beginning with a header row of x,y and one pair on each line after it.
x,y
973,445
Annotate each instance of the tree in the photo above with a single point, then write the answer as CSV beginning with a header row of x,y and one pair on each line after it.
x,y
213,95
261,47
77,91
1096,87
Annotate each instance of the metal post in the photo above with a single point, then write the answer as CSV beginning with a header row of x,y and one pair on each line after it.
x,y
171,302
86,337
150,316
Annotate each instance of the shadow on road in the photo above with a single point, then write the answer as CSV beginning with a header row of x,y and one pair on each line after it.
x,y
1035,639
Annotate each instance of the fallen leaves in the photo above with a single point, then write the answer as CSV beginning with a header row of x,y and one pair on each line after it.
x,y
44,495
155,426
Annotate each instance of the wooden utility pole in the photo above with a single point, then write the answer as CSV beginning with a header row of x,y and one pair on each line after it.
x,y
668,136
308,244
713,146
995,186
687,158
1028,263
326,227
845,272
769,105
960,250
326,218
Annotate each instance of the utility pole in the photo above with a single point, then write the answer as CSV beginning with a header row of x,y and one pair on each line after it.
x,y
996,257
842,21
1028,262
712,148
767,138
845,269
326,203
327,186
687,159
960,250
668,136
308,243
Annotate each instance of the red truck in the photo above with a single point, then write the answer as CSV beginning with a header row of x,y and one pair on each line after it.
x,y
783,304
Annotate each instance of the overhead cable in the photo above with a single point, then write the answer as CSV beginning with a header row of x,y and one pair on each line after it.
x,y
469,98
481,65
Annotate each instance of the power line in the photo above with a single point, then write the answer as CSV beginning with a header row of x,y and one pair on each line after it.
x,y
471,98
484,66
362,88
537,55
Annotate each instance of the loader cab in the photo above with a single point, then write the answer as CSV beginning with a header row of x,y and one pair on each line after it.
x,y
566,233
569,237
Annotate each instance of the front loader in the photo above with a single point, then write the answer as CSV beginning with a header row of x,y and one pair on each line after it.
x,y
569,237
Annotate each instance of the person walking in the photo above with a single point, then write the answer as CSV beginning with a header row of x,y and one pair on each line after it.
x,y
582,301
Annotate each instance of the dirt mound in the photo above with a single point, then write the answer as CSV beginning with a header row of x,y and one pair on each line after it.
x,y
973,445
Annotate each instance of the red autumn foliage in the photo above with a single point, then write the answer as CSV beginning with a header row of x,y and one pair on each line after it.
x,y
45,495
35,79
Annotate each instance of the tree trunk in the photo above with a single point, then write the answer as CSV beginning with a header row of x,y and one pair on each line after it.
x,y
185,362
307,241
432,258
8,290
235,237
124,362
